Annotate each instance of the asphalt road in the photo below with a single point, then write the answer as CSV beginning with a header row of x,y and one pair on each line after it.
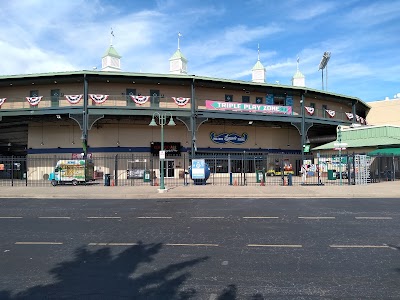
x,y
200,249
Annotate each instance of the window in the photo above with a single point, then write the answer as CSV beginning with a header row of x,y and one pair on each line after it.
x,y
128,94
34,93
312,105
324,108
259,100
245,99
279,100
228,98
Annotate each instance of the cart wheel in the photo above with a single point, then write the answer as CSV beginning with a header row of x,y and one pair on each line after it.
x,y
74,182
53,182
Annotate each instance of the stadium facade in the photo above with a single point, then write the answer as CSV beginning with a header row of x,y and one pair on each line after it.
x,y
109,112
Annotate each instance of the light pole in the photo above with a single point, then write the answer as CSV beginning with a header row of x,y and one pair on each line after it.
x,y
162,120
339,132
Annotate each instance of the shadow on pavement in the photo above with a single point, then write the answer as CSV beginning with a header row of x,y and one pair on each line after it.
x,y
98,274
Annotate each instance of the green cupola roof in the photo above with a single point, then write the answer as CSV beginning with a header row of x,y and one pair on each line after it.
x,y
178,55
298,74
258,66
112,52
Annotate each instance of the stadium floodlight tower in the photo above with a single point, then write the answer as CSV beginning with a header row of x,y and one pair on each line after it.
x,y
322,65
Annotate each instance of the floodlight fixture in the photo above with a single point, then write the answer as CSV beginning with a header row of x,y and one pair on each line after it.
x,y
324,60
322,65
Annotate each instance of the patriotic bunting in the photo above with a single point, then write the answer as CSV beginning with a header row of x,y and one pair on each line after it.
x,y
349,116
140,99
358,118
73,99
310,110
34,100
2,100
98,98
331,113
180,101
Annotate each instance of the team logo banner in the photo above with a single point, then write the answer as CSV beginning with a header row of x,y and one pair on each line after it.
x,y
2,100
309,110
98,98
180,101
224,138
34,100
140,99
73,99
248,107
331,113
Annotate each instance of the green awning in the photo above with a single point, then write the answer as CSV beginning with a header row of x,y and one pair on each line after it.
x,y
385,152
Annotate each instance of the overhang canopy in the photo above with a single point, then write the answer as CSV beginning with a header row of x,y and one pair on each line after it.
x,y
385,152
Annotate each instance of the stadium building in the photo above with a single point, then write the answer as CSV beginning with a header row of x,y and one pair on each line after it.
x,y
107,113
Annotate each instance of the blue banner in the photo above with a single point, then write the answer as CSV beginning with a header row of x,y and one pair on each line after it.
x,y
224,138
270,99
289,101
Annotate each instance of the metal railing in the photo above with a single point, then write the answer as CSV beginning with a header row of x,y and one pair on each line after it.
x,y
242,169
147,102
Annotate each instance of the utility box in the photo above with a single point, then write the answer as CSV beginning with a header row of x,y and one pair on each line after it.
x,y
331,174
146,176
260,176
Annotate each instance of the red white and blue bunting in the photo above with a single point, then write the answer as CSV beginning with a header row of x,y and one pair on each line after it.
x,y
98,98
349,116
73,99
34,100
181,101
2,100
331,113
140,99
310,110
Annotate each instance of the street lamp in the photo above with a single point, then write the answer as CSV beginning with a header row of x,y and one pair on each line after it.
x,y
162,120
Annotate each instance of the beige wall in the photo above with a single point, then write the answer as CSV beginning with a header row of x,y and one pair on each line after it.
x,y
385,112
61,134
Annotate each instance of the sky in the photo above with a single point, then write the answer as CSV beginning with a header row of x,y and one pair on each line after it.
x,y
219,38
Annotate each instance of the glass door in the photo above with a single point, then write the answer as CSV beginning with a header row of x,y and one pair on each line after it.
x,y
169,168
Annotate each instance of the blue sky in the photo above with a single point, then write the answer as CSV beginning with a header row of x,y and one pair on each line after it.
x,y
219,39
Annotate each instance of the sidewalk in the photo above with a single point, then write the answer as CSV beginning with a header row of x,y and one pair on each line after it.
x,y
389,189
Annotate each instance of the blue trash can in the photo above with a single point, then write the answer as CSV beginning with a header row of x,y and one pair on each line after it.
x,y
107,179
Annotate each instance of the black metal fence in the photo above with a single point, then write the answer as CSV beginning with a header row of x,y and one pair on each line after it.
x,y
240,168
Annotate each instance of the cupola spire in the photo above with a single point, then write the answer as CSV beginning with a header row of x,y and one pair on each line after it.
x,y
298,78
111,60
258,71
178,62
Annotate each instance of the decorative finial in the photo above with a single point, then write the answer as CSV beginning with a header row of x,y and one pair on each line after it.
x,y
298,60
258,52
179,35
112,36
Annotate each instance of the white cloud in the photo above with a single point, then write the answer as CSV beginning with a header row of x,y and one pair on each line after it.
x,y
311,10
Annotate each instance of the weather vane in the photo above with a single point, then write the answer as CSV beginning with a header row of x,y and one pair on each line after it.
x,y
112,36
179,35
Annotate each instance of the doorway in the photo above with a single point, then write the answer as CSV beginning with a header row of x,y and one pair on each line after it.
x,y
169,168
55,97
155,98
